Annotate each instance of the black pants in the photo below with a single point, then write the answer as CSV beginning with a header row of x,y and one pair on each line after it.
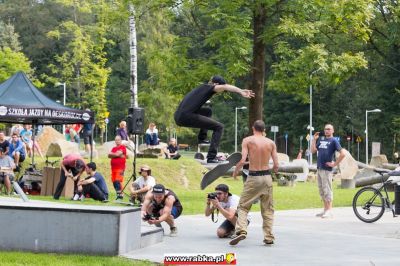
x,y
94,191
63,178
202,119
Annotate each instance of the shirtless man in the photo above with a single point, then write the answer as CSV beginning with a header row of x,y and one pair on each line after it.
x,y
258,184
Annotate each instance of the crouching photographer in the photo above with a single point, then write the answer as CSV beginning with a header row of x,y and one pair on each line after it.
x,y
226,204
161,205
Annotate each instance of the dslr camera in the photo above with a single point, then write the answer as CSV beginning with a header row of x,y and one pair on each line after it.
x,y
148,217
212,195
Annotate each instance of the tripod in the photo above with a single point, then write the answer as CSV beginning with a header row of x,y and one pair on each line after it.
x,y
133,176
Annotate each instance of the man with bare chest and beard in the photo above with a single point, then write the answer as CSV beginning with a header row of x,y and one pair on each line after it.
x,y
259,150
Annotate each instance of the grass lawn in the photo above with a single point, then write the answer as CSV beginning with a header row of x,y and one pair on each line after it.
x,y
50,259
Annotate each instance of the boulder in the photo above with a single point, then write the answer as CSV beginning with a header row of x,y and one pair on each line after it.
x,y
282,157
348,167
379,160
60,148
47,136
152,152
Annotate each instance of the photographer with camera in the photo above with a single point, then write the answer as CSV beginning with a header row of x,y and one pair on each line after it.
x,y
161,205
225,203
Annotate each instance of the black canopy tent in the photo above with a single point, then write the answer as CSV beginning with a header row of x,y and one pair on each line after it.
x,y
21,102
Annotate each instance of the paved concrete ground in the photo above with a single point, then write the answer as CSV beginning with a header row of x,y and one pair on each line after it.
x,y
301,239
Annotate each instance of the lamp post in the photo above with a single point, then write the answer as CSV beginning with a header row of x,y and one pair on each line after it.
x,y
236,111
64,99
366,131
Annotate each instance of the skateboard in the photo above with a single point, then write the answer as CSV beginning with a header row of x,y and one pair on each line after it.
x,y
220,169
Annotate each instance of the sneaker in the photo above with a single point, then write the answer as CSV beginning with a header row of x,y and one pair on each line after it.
x,y
120,196
327,214
82,198
320,214
174,231
237,239
268,242
75,197
205,141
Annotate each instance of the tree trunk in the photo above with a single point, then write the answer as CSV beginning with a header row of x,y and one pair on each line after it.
x,y
258,66
133,52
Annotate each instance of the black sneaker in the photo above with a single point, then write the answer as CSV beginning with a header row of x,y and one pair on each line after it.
x,y
205,141
216,161
268,242
120,196
237,239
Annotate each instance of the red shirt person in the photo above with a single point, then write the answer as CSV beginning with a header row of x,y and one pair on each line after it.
x,y
118,163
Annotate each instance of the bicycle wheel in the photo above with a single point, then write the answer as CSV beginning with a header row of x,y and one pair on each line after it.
x,y
368,204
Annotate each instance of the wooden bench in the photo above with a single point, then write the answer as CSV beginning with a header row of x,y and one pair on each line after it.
x,y
184,146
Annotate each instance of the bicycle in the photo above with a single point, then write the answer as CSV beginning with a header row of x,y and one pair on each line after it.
x,y
369,203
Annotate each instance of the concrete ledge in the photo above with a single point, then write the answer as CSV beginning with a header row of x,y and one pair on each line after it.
x,y
68,228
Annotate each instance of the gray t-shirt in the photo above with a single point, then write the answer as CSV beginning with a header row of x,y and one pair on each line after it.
x,y
6,161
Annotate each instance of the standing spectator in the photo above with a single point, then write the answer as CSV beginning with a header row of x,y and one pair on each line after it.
x,y
26,137
7,174
142,185
326,147
87,132
259,150
4,144
122,132
75,129
151,137
171,151
16,150
72,166
94,184
118,164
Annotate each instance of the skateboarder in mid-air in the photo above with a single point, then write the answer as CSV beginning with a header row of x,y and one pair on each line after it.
x,y
191,113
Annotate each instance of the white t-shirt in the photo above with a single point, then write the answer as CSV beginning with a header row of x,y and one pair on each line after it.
x,y
232,203
151,182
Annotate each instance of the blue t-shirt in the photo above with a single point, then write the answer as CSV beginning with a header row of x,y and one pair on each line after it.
x,y
101,183
326,150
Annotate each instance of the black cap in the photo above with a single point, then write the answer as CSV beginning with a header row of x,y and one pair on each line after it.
x,y
218,79
159,189
223,188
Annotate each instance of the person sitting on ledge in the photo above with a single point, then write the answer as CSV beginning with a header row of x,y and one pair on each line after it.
x,y
142,185
151,137
6,172
94,185
171,151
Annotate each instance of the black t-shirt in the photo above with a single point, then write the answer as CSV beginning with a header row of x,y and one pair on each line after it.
x,y
195,99
4,145
172,148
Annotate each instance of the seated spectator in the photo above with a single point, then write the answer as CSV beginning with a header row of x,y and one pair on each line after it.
x,y
16,150
72,166
122,132
4,144
162,205
94,185
6,172
142,185
171,152
151,137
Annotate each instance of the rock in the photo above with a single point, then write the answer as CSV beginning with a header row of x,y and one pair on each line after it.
x,y
379,160
348,167
152,152
60,148
47,136
282,157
